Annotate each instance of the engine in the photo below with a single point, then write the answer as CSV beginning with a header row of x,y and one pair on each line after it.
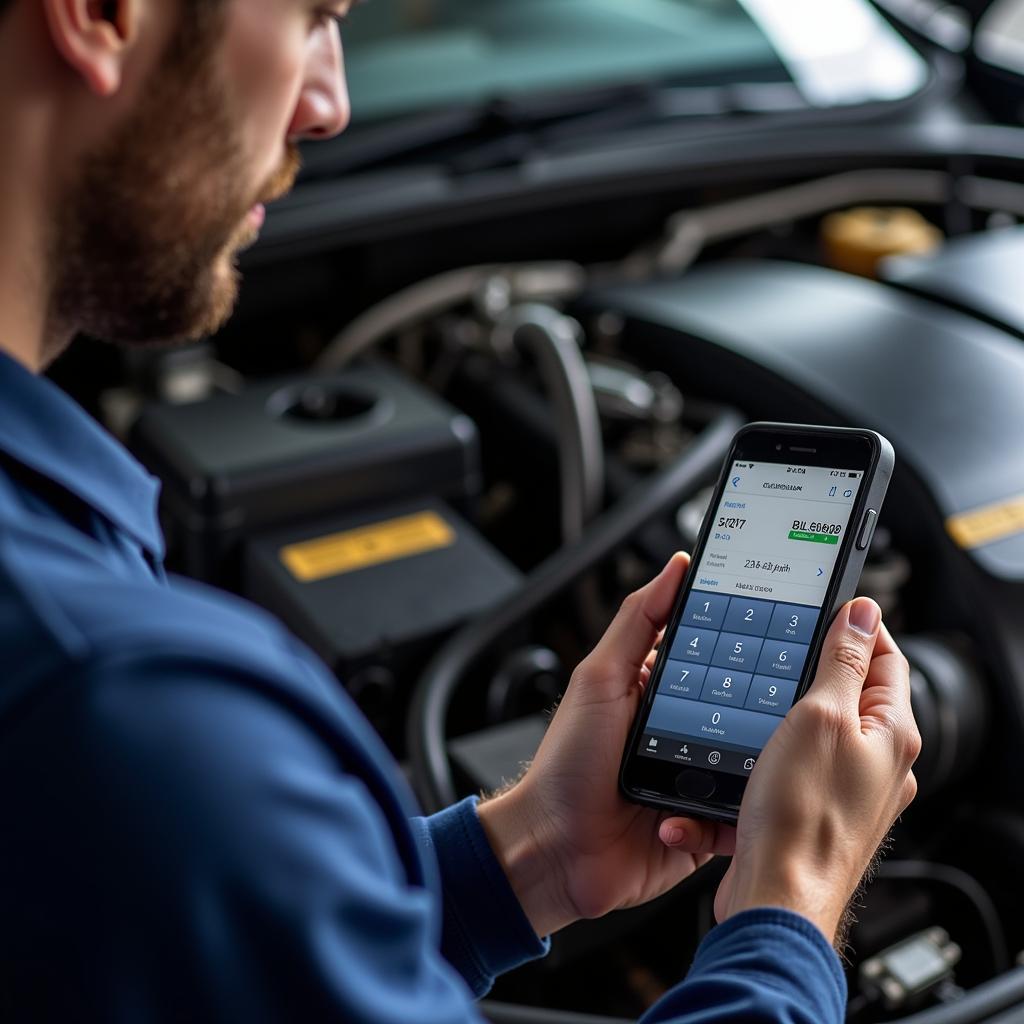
x,y
448,499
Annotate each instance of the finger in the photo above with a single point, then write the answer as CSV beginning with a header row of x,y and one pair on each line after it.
x,y
648,666
846,655
884,643
695,836
889,672
628,640
886,700
652,657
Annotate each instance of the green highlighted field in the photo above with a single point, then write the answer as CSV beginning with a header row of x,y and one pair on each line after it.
x,y
817,538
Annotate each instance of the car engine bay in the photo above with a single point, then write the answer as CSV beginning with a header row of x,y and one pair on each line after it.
x,y
443,438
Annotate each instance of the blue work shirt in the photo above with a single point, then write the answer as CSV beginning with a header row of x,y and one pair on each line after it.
x,y
199,825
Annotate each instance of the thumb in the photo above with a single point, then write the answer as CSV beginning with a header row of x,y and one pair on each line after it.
x,y
695,836
847,652
621,652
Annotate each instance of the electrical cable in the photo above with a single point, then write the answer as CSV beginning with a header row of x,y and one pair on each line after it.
x,y
969,888
550,337
655,496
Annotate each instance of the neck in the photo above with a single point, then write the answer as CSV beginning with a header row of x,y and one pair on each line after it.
x,y
27,331
28,191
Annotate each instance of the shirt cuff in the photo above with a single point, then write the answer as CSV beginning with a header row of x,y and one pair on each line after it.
x,y
485,931
764,964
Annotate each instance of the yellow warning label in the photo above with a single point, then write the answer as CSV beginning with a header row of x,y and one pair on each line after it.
x,y
988,523
369,545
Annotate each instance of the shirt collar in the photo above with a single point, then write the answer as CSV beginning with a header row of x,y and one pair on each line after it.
x,y
43,429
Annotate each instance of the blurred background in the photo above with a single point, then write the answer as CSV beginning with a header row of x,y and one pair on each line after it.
x,y
490,353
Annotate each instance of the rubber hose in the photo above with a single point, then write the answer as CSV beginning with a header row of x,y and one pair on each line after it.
x,y
431,769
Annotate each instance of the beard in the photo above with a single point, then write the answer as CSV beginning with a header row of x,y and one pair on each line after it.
x,y
148,231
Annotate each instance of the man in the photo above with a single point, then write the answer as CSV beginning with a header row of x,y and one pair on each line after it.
x,y
197,823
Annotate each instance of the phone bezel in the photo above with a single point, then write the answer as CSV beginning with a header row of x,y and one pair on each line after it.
x,y
651,781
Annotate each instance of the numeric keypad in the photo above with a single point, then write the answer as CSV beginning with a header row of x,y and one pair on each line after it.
x,y
739,652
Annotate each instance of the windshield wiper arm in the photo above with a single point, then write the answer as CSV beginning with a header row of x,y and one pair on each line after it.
x,y
492,122
507,130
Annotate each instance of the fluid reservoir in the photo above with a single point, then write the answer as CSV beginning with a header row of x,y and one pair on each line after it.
x,y
857,240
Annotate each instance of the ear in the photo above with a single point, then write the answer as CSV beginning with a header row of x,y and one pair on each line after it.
x,y
93,38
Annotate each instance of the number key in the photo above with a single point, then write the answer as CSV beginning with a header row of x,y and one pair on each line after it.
x,y
682,679
725,686
793,622
692,644
771,696
736,651
706,611
781,658
749,617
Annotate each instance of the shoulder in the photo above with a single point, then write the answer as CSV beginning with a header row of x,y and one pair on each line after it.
x,y
58,595
176,682
201,731
185,663
125,656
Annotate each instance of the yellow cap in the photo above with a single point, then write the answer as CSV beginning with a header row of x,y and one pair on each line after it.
x,y
857,240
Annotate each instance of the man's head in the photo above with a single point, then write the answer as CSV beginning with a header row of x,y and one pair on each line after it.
x,y
181,118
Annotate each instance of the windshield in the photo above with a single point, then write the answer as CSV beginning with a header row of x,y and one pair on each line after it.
x,y
409,55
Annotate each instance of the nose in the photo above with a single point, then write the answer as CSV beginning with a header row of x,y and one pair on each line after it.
x,y
323,109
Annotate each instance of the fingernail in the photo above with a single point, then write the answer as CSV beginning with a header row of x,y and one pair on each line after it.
x,y
865,616
673,835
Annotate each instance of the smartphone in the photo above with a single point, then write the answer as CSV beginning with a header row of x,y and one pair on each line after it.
x,y
780,551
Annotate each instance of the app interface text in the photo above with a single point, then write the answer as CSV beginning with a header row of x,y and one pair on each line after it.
x,y
736,658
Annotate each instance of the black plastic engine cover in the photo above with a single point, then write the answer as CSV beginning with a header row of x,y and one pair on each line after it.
x,y
378,587
979,274
292,450
787,341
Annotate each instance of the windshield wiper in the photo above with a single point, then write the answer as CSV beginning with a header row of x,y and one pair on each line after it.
x,y
508,130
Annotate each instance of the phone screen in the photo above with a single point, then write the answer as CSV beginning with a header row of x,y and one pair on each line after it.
x,y
736,659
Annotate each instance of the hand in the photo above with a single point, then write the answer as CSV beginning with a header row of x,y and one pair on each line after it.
x,y
830,782
571,845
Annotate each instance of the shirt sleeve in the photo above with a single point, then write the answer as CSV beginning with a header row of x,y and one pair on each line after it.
x,y
760,967
197,843
485,931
